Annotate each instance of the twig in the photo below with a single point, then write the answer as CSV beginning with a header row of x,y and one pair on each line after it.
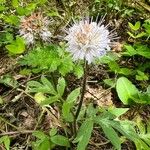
x,y
17,132
4,120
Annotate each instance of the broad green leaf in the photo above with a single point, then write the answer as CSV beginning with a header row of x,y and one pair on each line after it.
x,y
48,84
126,90
44,145
68,104
72,97
78,71
34,84
39,134
61,86
53,132
84,134
17,46
118,111
111,135
60,140
114,66
126,128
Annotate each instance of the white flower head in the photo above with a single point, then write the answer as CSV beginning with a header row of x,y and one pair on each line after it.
x,y
45,34
88,39
34,27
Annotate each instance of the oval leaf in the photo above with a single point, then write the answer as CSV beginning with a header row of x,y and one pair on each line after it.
x,y
127,92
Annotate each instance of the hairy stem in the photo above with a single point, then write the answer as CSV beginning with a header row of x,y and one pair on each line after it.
x,y
82,95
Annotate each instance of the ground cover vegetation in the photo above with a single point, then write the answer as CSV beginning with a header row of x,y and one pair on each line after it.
x,y
74,74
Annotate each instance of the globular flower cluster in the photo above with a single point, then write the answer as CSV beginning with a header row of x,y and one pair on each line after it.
x,y
35,27
88,39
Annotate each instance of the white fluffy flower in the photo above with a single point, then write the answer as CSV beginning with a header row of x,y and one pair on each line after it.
x,y
29,38
88,40
45,34
34,27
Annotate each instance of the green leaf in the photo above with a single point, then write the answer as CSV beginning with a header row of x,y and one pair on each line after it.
x,y
126,128
48,84
112,135
60,140
15,3
84,134
141,145
66,66
143,50
53,132
78,71
125,71
126,90
17,46
91,111
69,103
12,19
39,97
2,8
132,35
9,80
118,111
42,59
140,35
7,142
130,49
2,1
141,76
39,134
110,82
44,145
49,100
31,6
136,26
61,86
22,11
114,66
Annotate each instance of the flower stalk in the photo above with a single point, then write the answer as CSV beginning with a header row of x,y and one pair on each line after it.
x,y
82,94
